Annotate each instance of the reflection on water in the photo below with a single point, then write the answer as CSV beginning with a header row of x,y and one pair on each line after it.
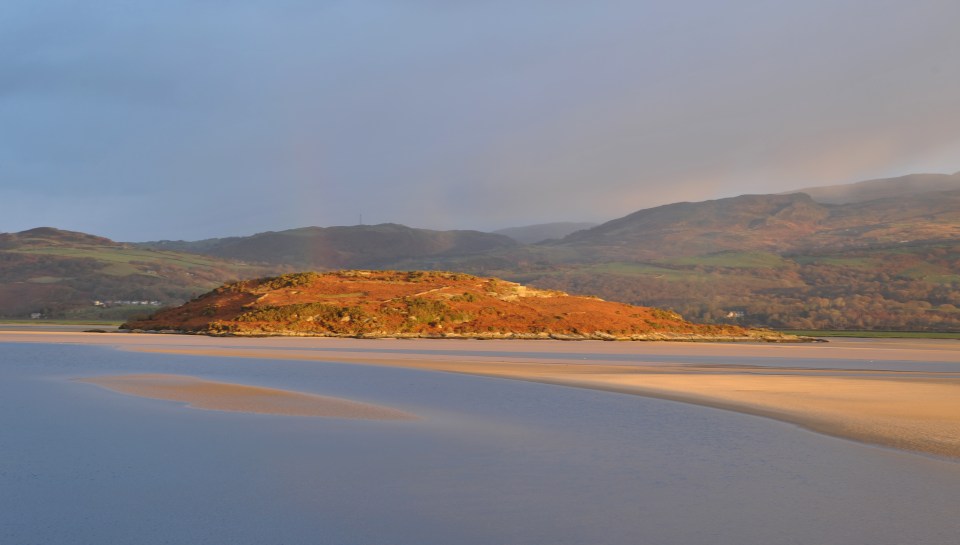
x,y
492,461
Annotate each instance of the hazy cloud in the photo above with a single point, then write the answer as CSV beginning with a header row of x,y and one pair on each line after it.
x,y
140,120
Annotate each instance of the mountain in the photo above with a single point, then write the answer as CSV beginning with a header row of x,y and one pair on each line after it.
x,y
748,223
359,246
773,260
788,260
61,274
422,304
51,238
885,188
745,222
532,234
769,223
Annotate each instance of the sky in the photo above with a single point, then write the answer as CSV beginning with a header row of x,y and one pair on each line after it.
x,y
142,120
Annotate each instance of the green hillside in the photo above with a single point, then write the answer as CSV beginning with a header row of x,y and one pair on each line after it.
x,y
61,274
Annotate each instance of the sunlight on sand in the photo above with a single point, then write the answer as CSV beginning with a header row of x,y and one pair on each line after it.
x,y
222,396
901,394
921,415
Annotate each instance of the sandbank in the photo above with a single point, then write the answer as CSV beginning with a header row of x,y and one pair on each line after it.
x,y
901,394
223,396
920,415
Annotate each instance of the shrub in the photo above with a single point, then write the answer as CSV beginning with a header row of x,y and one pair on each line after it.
x,y
292,280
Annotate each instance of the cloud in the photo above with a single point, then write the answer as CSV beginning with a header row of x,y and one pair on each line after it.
x,y
224,118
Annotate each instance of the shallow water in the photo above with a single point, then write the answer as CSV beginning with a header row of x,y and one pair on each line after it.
x,y
927,356
490,461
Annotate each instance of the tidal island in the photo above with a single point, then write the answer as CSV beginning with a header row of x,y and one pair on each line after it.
x,y
425,304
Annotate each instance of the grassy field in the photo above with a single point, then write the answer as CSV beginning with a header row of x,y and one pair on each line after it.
x,y
854,262
737,260
641,270
122,256
877,334
61,322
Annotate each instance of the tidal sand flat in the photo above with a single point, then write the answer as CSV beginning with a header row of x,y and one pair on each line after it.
x,y
914,414
902,395
488,460
223,396
897,393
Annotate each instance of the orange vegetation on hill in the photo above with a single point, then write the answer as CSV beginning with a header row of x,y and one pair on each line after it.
x,y
422,304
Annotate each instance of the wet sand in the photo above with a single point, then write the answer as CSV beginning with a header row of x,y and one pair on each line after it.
x,y
880,392
223,396
919,415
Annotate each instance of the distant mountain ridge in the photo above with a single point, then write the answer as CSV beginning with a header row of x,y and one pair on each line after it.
x,y
884,188
531,234
774,223
52,237
359,246
886,211
783,260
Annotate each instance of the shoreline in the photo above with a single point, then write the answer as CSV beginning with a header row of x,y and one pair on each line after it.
x,y
910,410
757,335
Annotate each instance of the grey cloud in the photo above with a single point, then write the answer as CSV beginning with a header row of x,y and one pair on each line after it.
x,y
221,118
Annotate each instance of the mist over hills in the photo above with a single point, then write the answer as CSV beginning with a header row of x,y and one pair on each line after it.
x,y
786,260
359,246
531,234
884,188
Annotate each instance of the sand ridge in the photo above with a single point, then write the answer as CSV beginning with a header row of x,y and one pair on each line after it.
x,y
921,415
224,396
